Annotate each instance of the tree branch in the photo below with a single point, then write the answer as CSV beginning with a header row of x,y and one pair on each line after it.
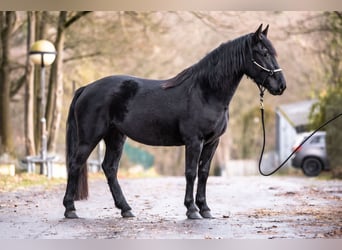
x,y
77,16
339,14
74,58
212,22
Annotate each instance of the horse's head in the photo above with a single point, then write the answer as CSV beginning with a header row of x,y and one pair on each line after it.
x,y
262,66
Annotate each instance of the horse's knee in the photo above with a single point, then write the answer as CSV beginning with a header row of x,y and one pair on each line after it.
x,y
190,175
203,176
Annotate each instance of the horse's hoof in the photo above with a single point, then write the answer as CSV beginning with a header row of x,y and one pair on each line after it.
x,y
70,214
206,214
127,214
193,215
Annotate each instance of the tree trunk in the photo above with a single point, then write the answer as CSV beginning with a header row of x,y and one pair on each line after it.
x,y
41,24
55,94
29,89
40,32
7,23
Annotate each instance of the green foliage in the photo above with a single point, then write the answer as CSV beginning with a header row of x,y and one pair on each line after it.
x,y
24,180
330,101
138,156
330,105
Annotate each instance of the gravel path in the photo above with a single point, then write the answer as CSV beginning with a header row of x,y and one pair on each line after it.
x,y
244,208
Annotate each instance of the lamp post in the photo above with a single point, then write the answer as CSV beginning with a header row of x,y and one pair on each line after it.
x,y
42,53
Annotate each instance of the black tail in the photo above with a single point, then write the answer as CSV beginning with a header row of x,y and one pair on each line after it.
x,y
71,143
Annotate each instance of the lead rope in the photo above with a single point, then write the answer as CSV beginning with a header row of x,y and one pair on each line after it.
x,y
262,90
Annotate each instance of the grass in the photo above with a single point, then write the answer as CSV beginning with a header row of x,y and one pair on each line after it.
x,y
326,176
25,180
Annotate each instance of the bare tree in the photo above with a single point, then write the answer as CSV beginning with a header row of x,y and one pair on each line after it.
x,y
39,30
55,93
7,26
29,89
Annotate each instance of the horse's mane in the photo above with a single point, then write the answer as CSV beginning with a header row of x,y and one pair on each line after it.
x,y
224,61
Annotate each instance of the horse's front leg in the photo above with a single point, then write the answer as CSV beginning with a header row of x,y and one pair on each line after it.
x,y
203,173
192,154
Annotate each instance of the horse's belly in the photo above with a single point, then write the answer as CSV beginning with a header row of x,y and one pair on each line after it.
x,y
161,141
153,133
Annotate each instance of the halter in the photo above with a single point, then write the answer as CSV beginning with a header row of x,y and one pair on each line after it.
x,y
261,86
269,71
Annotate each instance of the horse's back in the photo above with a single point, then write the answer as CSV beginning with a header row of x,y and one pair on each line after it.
x,y
139,108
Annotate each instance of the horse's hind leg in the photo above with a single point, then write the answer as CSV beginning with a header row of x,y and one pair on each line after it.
x,y
77,162
114,146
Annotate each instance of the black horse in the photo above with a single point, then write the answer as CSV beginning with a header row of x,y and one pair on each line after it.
x,y
189,109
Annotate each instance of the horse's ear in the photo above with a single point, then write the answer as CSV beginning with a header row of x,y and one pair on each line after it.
x,y
257,34
265,30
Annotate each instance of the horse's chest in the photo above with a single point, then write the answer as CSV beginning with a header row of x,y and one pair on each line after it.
x,y
213,123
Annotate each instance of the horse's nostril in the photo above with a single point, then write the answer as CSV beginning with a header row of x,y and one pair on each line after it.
x,y
282,86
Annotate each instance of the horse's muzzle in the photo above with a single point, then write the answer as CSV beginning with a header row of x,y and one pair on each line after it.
x,y
282,89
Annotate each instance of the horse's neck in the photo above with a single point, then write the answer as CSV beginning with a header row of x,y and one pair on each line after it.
x,y
225,91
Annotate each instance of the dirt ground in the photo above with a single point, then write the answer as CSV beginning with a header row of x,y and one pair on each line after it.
x,y
244,208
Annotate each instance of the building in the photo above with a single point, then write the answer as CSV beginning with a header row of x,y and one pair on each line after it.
x,y
291,119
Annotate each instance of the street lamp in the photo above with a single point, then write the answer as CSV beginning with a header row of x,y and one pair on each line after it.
x,y
42,53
